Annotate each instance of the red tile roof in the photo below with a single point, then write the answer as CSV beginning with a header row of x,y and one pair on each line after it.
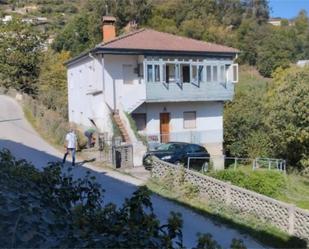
x,y
147,39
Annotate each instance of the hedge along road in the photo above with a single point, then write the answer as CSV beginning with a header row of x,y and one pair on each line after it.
x,y
17,135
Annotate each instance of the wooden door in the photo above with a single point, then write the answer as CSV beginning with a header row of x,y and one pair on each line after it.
x,y
164,127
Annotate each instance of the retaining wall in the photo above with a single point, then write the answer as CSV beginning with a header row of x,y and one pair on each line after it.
x,y
286,217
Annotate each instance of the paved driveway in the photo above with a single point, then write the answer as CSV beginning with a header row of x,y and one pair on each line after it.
x,y
17,135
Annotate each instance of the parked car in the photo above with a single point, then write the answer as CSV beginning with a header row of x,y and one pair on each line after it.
x,y
178,153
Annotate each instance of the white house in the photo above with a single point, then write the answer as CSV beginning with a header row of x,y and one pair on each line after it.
x,y
174,87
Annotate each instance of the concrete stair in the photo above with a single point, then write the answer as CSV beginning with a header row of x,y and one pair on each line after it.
x,y
122,128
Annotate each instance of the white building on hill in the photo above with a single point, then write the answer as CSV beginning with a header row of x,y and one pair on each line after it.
x,y
174,87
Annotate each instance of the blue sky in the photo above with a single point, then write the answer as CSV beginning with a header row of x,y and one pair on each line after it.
x,y
287,8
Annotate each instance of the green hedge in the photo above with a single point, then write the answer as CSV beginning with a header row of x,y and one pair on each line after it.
x,y
270,183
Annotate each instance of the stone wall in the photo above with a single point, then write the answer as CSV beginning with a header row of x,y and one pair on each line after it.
x,y
286,217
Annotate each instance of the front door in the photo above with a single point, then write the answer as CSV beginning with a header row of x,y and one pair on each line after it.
x,y
164,127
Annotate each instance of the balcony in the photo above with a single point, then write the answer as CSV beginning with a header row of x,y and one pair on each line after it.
x,y
189,80
165,92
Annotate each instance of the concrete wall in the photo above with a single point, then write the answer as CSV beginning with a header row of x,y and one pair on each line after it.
x,y
116,92
85,94
284,216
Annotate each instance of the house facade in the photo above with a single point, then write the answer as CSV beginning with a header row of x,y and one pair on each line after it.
x,y
173,87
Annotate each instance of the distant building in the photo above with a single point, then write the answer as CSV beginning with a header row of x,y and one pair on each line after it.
x,y
280,22
275,21
302,63
7,19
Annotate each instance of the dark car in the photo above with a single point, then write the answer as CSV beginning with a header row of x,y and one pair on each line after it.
x,y
178,153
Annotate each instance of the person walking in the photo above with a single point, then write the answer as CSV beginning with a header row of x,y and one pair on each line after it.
x,y
70,145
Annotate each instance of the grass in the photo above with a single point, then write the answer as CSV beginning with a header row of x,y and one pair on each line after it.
x,y
295,190
266,234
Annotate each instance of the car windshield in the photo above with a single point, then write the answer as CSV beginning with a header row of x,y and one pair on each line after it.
x,y
169,147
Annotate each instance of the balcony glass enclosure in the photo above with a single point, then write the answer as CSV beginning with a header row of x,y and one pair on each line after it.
x,y
178,79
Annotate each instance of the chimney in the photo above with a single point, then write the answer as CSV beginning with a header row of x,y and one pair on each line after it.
x,y
108,29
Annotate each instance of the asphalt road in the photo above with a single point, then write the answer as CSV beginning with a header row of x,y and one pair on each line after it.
x,y
17,135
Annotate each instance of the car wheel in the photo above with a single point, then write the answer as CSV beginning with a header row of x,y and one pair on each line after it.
x,y
178,163
205,167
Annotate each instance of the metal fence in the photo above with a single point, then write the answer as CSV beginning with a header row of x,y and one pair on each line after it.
x,y
203,164
196,137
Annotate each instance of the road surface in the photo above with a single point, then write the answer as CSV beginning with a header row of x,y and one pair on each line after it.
x,y
17,135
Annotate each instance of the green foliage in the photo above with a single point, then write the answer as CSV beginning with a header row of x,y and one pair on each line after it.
x,y
80,34
245,133
52,89
276,51
50,124
265,182
50,208
133,126
20,50
288,114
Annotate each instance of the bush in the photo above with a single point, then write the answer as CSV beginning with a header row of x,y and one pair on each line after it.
x,y
268,183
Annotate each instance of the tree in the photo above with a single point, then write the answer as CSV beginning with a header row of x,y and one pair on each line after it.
x,y
20,50
288,115
256,9
245,132
275,51
80,34
52,87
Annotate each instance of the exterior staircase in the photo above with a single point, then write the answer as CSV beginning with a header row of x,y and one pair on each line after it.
x,y
139,149
122,128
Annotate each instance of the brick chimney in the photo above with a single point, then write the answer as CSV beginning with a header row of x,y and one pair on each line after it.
x,y
108,28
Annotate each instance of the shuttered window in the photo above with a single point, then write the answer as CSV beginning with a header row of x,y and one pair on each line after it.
x,y
189,120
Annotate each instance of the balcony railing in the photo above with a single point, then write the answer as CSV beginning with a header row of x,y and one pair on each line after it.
x,y
160,92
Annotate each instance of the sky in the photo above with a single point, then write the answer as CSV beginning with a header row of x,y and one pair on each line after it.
x,y
287,8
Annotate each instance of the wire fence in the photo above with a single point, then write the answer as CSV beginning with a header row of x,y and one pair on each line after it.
x,y
203,164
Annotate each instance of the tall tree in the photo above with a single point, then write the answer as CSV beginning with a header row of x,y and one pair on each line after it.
x,y
288,115
52,87
20,50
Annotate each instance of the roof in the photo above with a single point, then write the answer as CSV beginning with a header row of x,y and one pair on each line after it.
x,y
151,42
148,39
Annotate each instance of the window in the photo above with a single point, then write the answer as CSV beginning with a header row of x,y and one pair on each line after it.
x,y
189,120
201,74
194,74
222,75
170,73
185,73
157,73
149,73
208,73
215,73
128,74
235,73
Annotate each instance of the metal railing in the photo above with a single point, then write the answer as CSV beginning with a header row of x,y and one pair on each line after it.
x,y
196,137
236,162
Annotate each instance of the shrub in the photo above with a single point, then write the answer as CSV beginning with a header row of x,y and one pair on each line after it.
x,y
270,183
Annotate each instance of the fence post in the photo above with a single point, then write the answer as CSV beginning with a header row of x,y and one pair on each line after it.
x,y
291,219
228,193
235,163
